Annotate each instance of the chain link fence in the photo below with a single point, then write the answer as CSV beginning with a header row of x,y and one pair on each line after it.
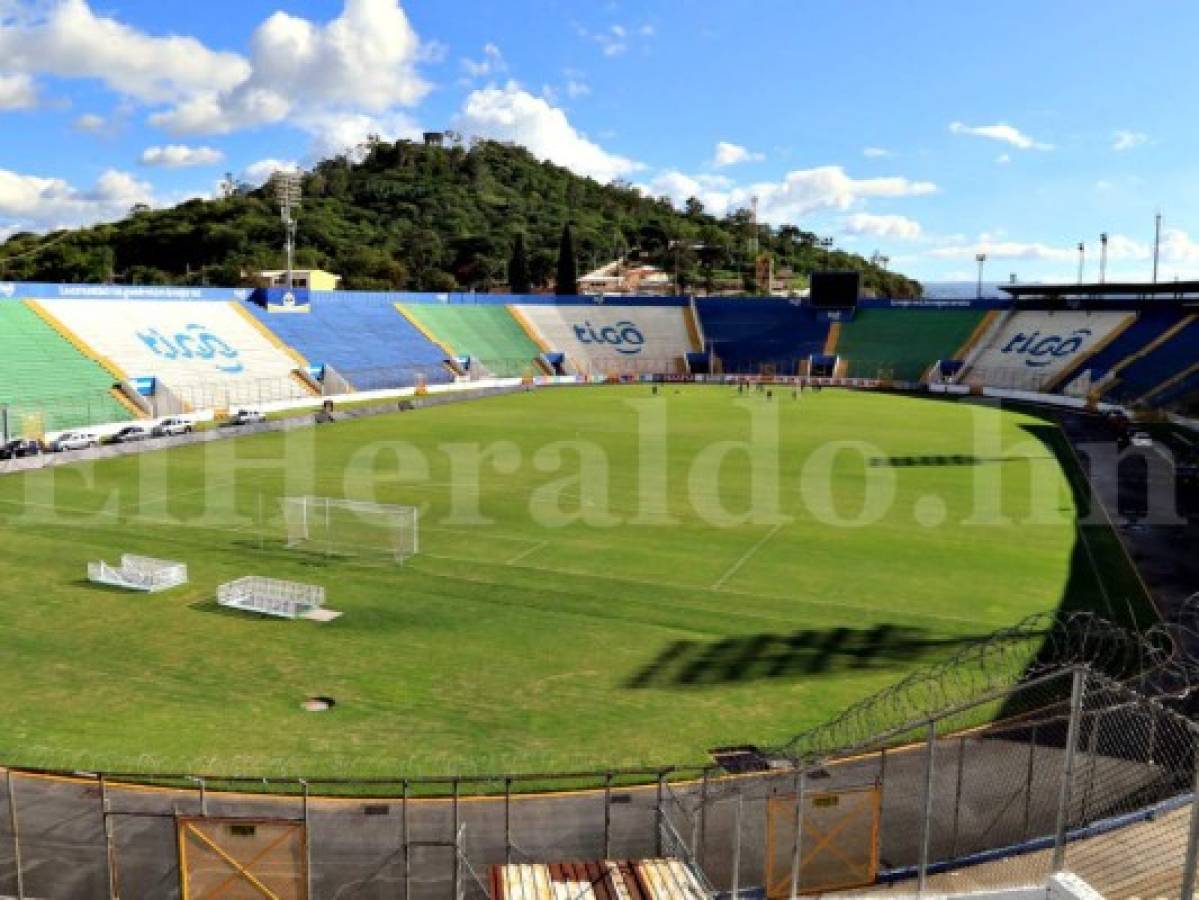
x,y
967,776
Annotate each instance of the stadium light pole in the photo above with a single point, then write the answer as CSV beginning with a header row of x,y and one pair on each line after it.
x,y
1103,257
1082,259
288,191
981,259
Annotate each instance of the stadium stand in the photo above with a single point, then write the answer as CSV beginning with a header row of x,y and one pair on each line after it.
x,y
748,337
1162,369
903,344
209,353
615,339
364,338
485,332
1032,349
1149,325
43,375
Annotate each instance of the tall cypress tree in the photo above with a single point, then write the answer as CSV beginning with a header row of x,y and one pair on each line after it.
x,y
568,271
519,280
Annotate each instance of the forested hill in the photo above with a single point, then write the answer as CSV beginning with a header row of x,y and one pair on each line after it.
x,y
426,217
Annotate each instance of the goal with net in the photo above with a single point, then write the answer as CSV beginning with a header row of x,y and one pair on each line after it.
x,y
351,527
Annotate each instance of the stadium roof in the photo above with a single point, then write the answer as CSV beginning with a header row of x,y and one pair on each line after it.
x,y
1111,290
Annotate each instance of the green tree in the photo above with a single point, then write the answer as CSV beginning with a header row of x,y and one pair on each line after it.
x,y
519,279
567,283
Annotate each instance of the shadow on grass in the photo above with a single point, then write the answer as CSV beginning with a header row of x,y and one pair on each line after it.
x,y
759,657
941,460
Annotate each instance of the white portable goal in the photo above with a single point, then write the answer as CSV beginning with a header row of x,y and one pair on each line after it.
x,y
351,527
271,596
139,573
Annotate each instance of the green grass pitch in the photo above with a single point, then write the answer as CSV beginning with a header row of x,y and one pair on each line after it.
x,y
529,644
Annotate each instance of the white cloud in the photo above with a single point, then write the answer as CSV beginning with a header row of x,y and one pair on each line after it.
x,y
1128,140
364,61
180,156
1007,134
828,187
66,38
510,113
799,193
337,133
1003,159
1033,250
576,88
44,203
615,40
492,63
876,153
889,226
732,154
260,172
17,91
90,123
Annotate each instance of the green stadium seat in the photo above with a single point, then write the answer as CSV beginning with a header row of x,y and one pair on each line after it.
x,y
41,373
486,332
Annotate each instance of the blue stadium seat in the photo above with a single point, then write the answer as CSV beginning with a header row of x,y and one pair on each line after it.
x,y
1167,367
1150,324
747,335
363,337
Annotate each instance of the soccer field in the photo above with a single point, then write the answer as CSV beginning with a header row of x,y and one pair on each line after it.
x,y
679,595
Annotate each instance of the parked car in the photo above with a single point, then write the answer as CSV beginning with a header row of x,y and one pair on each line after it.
x,y
20,449
248,416
1142,439
173,425
129,434
74,440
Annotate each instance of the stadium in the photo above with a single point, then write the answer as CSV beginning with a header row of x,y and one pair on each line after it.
x,y
337,593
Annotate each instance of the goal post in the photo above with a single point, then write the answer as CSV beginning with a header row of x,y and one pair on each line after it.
x,y
351,527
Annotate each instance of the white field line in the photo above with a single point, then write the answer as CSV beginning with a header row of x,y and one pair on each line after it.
x,y
527,552
668,585
745,557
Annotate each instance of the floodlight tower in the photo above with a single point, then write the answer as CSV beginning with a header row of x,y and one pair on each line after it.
x,y
289,192
1082,260
981,259
1103,257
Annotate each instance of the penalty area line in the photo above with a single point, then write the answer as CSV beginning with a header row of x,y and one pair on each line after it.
x,y
745,557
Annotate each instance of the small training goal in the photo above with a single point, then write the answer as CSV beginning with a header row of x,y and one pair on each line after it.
x,y
351,527
271,597
139,573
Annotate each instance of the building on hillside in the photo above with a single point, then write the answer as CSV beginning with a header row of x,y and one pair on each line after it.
x,y
618,277
313,279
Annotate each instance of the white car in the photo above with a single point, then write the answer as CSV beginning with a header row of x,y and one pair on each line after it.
x,y
248,416
173,425
1142,439
75,440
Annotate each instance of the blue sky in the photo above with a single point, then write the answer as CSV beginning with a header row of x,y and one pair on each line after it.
x,y
923,129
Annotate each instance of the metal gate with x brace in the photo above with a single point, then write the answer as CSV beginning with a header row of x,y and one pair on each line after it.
x,y
838,841
254,859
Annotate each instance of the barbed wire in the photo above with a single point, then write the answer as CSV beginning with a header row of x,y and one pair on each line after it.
x,y
1161,662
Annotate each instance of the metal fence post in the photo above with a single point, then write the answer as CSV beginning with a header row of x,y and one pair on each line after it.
x,y
508,820
1032,759
109,850
307,843
659,814
957,797
737,847
404,838
16,835
1066,788
458,851
608,816
927,828
1192,856
801,781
